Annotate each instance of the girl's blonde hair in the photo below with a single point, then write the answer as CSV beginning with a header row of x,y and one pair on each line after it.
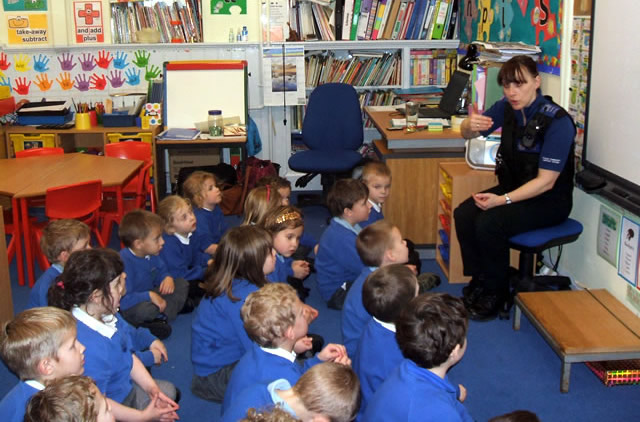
x,y
260,201
282,218
169,206
193,186
241,254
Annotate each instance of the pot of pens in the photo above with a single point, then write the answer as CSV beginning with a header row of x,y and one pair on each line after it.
x,y
83,119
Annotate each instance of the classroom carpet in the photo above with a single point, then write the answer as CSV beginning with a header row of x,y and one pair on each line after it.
x,y
502,370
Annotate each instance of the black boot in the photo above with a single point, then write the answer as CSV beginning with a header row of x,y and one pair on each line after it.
x,y
486,307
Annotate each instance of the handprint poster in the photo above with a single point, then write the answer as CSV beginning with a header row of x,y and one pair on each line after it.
x,y
28,29
88,22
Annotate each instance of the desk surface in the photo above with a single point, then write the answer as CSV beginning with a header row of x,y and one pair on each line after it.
x,y
74,131
421,139
16,174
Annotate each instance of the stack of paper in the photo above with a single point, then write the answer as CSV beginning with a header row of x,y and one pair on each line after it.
x,y
503,51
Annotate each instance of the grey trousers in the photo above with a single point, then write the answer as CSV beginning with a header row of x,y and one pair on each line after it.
x,y
213,386
147,311
139,399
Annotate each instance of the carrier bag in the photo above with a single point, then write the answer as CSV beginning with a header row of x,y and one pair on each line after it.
x,y
480,153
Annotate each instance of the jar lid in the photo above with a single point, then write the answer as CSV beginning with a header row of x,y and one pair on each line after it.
x,y
214,112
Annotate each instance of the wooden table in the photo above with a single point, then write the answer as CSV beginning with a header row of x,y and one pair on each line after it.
x,y
414,167
581,326
31,177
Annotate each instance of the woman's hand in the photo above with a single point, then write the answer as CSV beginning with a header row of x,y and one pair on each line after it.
x,y
487,200
475,123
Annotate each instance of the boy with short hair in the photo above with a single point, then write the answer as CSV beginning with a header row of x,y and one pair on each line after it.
x,y
384,294
38,345
432,335
59,239
152,294
329,390
274,318
337,262
378,245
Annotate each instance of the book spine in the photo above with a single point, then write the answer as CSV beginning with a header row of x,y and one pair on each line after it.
x,y
347,18
372,19
398,21
355,19
378,22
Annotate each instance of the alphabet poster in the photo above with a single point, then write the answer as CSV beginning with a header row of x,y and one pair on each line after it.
x,y
535,22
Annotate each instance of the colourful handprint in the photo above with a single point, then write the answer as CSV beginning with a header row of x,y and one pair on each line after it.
x,y
98,81
22,62
142,58
151,72
64,79
6,82
66,63
40,64
104,59
4,65
43,82
86,62
133,76
120,61
22,87
116,79
82,83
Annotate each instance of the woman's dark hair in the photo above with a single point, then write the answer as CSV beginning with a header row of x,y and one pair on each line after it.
x,y
513,70
241,253
85,272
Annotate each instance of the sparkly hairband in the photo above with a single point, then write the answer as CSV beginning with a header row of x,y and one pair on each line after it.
x,y
288,216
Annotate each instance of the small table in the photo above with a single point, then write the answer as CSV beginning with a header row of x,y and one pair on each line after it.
x,y
581,326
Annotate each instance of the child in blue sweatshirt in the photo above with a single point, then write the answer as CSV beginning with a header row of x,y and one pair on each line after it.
x,y
337,263
202,189
38,345
274,318
59,239
218,339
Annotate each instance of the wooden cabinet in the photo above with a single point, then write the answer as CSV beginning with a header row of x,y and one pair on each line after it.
x,y
456,182
6,301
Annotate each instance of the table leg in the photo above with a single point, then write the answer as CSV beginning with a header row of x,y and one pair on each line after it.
x,y
566,373
517,314
16,235
26,232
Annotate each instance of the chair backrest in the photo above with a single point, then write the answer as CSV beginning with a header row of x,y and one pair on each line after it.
x,y
132,150
33,152
333,120
73,201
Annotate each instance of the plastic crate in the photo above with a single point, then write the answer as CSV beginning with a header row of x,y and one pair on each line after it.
x,y
42,140
138,137
118,120
616,372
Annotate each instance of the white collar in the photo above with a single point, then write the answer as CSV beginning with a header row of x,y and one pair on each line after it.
x,y
207,209
291,356
182,239
35,384
105,328
147,257
388,325
374,205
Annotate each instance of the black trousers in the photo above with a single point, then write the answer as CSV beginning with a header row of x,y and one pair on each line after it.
x,y
484,235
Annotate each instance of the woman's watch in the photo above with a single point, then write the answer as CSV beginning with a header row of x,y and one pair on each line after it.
x,y
506,197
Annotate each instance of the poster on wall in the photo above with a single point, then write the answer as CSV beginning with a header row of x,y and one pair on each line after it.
x,y
284,78
28,29
628,257
24,5
228,7
88,22
608,229
536,22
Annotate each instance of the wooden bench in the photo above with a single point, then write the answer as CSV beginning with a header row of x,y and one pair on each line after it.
x,y
581,326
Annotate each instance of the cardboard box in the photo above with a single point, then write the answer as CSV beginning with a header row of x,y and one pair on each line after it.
x,y
191,158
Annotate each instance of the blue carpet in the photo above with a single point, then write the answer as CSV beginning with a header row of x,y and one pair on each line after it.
x,y
503,370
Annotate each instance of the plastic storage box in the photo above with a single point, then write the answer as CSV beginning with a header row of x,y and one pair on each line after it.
x,y
123,137
42,140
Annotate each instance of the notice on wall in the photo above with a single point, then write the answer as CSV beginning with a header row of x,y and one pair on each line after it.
x,y
24,5
89,24
28,29
628,258
608,229
283,77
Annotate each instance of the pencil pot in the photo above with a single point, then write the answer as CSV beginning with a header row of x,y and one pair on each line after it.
x,y
83,121
93,118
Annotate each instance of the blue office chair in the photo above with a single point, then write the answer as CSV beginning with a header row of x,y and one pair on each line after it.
x,y
332,130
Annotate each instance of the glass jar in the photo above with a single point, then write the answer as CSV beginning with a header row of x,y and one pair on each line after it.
x,y
215,123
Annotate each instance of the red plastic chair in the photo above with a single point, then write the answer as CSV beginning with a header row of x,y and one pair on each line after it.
x,y
33,152
136,191
8,230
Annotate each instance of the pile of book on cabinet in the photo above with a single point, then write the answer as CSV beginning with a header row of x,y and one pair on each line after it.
x,y
330,20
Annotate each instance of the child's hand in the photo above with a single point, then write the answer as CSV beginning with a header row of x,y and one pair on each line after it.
x,y
334,352
463,393
309,312
156,411
167,286
300,269
157,300
302,345
209,262
159,351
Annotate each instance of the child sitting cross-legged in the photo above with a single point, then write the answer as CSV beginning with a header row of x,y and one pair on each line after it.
x,y
39,345
274,318
326,392
432,335
385,293
59,239
202,190
378,245
337,263
153,296
70,399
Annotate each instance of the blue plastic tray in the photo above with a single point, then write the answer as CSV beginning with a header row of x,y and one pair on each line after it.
x,y
45,120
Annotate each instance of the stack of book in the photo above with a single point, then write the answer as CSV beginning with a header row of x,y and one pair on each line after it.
x,y
374,19
502,51
176,21
357,68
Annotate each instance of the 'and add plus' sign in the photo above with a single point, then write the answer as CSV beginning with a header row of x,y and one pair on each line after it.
x,y
88,14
